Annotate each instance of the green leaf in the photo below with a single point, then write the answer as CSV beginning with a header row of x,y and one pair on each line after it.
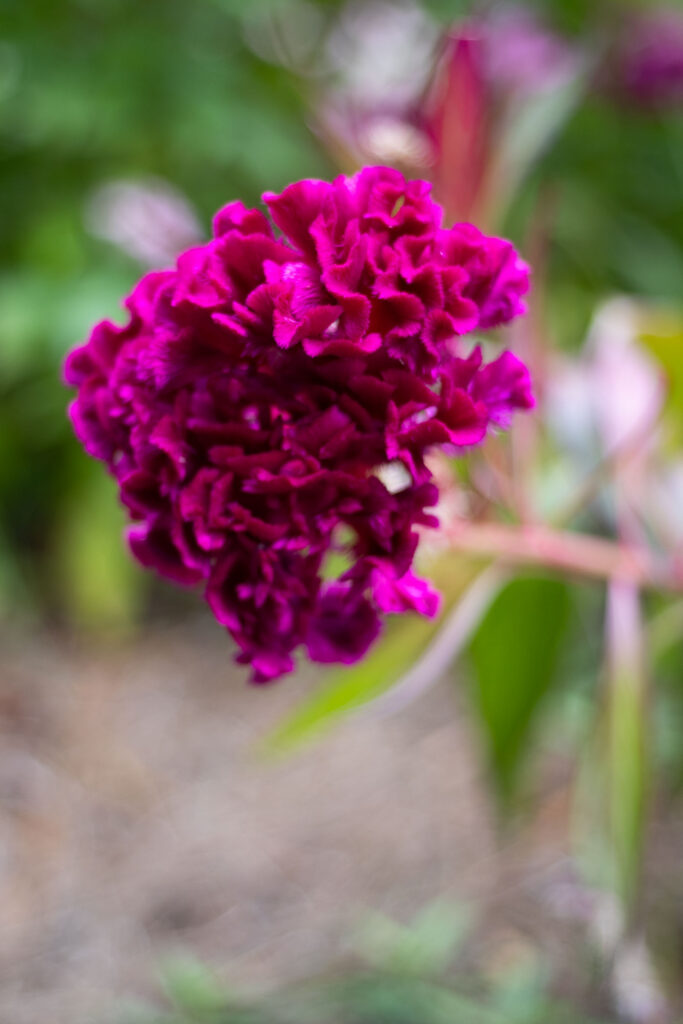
x,y
664,643
515,655
627,778
427,946
647,256
663,337
627,733
192,987
529,130
345,690
98,583
348,689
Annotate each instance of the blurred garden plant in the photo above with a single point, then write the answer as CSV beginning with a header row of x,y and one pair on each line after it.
x,y
400,974
500,86
250,403
91,155
558,557
583,489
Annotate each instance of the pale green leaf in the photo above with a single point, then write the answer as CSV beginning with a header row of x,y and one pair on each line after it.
x,y
345,690
515,655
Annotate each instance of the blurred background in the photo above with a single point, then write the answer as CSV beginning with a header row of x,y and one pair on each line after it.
x,y
498,836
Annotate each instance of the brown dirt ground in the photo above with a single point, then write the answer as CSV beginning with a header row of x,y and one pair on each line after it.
x,y
137,817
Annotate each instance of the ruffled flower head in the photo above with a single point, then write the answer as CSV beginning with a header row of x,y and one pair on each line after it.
x,y
250,401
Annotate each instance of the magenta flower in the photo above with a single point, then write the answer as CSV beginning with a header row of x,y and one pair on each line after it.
x,y
257,388
648,64
522,54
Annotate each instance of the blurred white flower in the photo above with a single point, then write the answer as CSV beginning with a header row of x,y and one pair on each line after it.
x,y
626,383
392,140
637,990
382,51
569,405
149,219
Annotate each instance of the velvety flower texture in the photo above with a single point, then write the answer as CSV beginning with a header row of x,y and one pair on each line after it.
x,y
256,390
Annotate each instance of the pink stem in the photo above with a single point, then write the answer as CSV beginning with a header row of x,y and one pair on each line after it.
x,y
579,554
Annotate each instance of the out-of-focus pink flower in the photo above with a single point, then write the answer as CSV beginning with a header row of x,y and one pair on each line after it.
x,y
439,111
380,55
627,387
386,133
647,67
614,394
250,401
149,219
522,54
457,115
490,67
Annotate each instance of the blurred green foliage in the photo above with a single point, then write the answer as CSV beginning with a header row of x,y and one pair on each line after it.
x,y
95,91
403,643
405,974
98,90
515,655
614,178
90,92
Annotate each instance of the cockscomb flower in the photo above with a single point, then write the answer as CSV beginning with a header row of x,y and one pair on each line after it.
x,y
249,403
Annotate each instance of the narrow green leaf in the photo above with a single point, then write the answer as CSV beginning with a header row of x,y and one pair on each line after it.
x,y
627,725
428,945
348,689
515,654
627,779
663,337
345,690
664,643
100,586
191,986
